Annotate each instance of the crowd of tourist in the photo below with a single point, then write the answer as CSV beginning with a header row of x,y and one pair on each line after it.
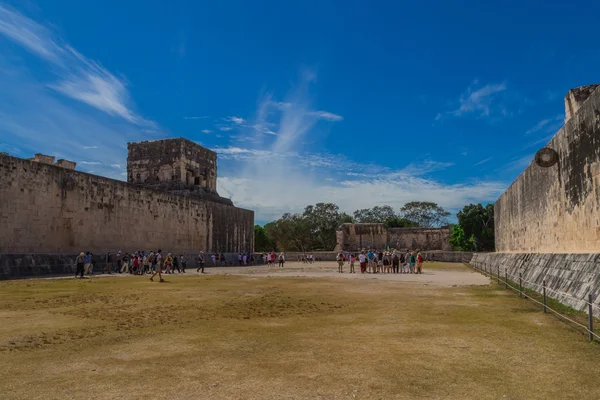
x,y
152,263
374,262
155,263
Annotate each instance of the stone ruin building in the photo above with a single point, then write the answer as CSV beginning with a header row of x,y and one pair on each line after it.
x,y
355,237
175,165
170,201
548,221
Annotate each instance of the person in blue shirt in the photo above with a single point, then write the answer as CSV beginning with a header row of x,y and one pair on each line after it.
x,y
88,263
371,257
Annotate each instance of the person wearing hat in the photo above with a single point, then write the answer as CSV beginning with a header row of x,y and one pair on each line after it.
x,y
200,262
79,262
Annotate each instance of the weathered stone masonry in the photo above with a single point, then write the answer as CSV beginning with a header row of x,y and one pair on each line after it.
x,y
49,209
353,237
548,221
557,209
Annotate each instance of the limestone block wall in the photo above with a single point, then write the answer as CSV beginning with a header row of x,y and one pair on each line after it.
x,y
14,266
48,209
354,237
573,276
419,238
557,209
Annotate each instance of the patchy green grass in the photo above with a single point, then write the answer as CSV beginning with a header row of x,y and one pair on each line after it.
x,y
580,317
230,337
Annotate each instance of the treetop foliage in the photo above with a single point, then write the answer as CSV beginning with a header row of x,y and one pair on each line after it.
x,y
315,228
475,229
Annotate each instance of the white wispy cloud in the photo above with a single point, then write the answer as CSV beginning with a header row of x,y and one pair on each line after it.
x,y
299,176
90,162
193,118
77,77
480,101
483,161
235,120
37,117
326,115
225,128
207,131
547,125
518,163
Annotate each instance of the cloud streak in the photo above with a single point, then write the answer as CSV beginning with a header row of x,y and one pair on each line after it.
x,y
295,176
547,125
483,161
78,77
479,101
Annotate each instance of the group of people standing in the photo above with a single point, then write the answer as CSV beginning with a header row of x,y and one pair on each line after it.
x,y
137,263
306,258
272,259
373,262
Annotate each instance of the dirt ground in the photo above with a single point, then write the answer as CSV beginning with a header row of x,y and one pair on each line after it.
x,y
301,332
436,274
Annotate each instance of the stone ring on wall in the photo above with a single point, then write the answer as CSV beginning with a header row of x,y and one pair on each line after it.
x,y
546,157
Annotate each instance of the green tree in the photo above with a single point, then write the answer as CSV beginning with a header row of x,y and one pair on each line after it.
x,y
425,214
324,219
477,222
291,232
397,222
261,239
460,241
377,214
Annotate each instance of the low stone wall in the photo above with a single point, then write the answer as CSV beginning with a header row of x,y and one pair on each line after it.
x,y
31,265
450,256
352,237
572,276
442,256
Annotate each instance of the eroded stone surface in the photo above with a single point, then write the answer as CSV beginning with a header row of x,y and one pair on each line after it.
x,y
353,237
48,209
557,209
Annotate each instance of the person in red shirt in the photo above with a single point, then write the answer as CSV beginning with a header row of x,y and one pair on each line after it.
x,y
419,263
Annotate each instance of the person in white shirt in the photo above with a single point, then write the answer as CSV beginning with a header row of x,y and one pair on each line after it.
x,y
159,265
281,259
362,258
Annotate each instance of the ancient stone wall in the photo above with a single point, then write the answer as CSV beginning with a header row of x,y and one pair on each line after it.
x,y
353,237
569,277
556,209
48,209
176,165
30,265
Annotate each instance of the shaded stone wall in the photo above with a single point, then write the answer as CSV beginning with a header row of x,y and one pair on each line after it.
x,y
31,265
48,209
557,209
176,165
572,276
353,237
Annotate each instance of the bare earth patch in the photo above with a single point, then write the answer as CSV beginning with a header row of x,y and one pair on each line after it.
x,y
301,332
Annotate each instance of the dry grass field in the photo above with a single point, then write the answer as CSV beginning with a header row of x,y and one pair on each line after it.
x,y
297,333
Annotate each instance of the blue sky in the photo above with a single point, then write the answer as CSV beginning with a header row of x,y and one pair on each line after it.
x,y
354,102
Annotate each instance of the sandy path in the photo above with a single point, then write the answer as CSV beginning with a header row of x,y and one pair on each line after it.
x,y
441,275
453,275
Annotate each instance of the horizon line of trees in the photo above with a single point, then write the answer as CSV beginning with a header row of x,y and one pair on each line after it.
x,y
314,229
